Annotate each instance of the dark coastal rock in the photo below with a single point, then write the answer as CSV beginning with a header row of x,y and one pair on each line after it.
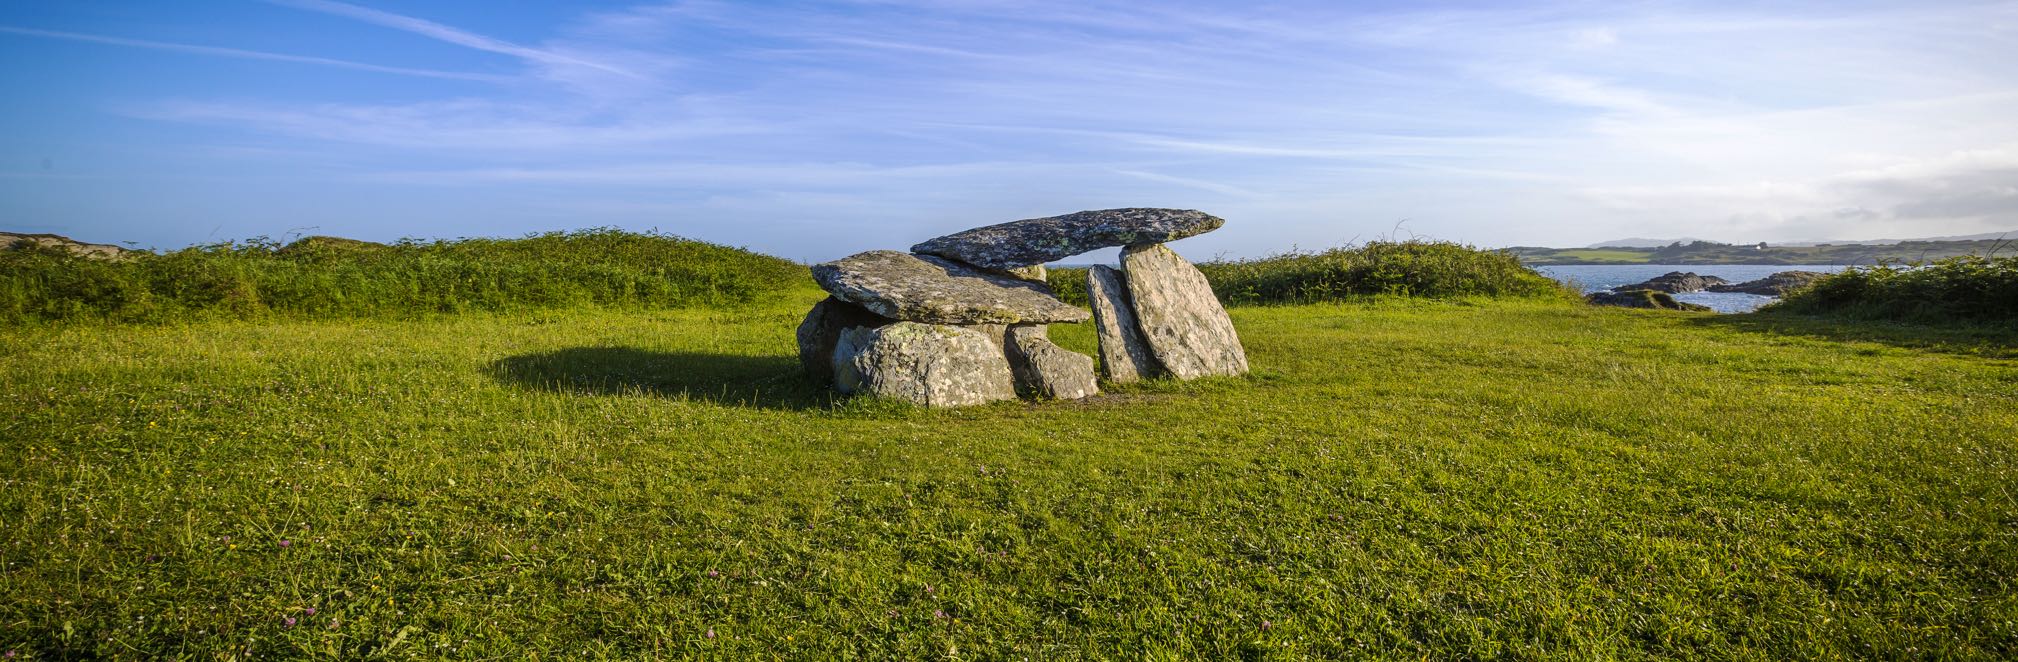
x,y
1039,240
923,288
1124,353
1045,370
930,365
1676,282
821,330
1641,299
1186,329
1775,285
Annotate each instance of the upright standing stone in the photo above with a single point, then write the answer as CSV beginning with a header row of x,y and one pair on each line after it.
x,y
1043,369
1186,328
926,364
821,330
1124,354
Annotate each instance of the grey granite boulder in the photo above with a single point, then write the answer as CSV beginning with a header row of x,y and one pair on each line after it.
x,y
925,364
1044,369
1040,240
821,330
1035,272
935,290
1187,330
1124,354
1775,285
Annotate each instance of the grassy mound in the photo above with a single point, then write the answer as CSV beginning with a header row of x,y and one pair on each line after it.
x,y
1967,289
1431,269
329,277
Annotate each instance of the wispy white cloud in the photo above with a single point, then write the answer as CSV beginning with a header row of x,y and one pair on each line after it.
x,y
1561,123
437,31
246,54
1201,184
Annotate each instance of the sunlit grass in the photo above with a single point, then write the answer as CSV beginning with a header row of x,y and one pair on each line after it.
x,y
1398,479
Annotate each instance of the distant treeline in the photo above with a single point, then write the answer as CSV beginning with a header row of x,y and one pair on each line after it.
x,y
1959,289
327,277
1432,269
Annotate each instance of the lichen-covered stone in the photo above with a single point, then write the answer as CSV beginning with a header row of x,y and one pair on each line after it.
x,y
1035,272
1045,370
924,288
1040,240
1124,354
821,330
926,364
1186,329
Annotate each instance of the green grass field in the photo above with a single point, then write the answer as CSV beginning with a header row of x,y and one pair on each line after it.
x,y
1398,479
1603,256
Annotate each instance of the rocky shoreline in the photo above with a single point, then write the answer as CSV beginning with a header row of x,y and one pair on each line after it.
x,y
1658,292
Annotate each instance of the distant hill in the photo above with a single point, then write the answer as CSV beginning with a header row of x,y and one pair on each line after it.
x,y
1639,242
2006,234
10,241
1642,242
1709,252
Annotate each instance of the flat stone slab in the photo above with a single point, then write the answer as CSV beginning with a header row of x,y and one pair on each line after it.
x,y
930,365
1124,354
923,288
1185,327
1040,240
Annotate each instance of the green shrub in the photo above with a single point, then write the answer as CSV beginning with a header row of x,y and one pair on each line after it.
x,y
1068,283
327,277
1969,288
1430,269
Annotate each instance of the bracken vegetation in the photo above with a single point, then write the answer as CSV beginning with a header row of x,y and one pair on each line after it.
x,y
1415,268
1967,289
327,277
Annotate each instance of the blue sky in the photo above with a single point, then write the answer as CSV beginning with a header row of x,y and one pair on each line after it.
x,y
816,129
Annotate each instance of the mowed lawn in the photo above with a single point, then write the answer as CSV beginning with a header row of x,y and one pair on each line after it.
x,y
1397,480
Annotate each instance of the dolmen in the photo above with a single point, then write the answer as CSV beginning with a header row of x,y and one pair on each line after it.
x,y
961,319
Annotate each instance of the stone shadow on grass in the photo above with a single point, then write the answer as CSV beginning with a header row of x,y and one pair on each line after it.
x,y
1969,340
736,380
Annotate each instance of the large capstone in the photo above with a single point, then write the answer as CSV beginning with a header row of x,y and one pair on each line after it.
x,y
1124,354
1045,370
821,330
923,288
926,364
1040,240
1186,329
